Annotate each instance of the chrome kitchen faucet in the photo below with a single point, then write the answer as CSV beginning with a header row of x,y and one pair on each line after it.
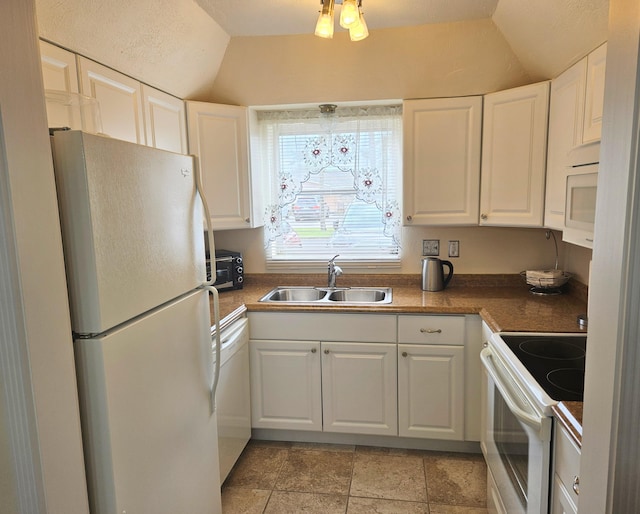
x,y
334,272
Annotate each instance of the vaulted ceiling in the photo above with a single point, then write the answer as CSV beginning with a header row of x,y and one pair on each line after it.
x,y
180,45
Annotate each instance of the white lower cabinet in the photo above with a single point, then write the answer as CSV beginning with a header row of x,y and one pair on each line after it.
x,y
566,476
354,377
359,388
285,384
431,391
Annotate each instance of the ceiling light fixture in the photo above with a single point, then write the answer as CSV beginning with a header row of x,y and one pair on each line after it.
x,y
351,18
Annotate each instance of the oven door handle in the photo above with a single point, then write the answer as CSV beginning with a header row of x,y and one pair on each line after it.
x,y
530,417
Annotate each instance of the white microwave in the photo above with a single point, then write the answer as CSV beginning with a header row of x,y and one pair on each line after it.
x,y
580,206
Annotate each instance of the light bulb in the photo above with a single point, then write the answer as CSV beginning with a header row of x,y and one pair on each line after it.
x,y
324,27
359,31
349,14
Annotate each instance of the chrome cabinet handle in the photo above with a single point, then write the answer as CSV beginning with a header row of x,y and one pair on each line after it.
x,y
484,217
313,350
576,484
404,354
431,330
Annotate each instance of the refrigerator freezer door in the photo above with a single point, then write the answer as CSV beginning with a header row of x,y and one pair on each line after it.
x,y
131,224
150,438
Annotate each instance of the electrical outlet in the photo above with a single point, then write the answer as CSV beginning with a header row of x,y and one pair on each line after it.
x,y
431,247
454,248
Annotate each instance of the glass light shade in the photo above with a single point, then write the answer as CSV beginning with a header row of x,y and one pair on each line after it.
x,y
359,31
324,27
349,14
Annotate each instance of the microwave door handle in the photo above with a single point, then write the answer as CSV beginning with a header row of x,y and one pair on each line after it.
x,y
528,418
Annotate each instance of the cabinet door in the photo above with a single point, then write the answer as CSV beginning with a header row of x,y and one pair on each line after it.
x,y
594,103
285,385
59,71
431,391
120,99
165,120
359,388
561,502
218,137
442,142
513,156
59,74
566,120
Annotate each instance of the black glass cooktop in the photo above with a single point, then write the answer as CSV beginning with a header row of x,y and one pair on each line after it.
x,y
555,362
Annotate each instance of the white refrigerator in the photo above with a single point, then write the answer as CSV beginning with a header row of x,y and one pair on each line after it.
x,y
132,227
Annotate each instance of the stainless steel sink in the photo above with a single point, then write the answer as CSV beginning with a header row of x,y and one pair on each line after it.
x,y
294,294
359,295
325,295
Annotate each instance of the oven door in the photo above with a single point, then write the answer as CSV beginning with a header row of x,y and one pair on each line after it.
x,y
515,441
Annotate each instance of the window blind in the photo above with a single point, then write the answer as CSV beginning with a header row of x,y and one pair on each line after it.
x,y
333,184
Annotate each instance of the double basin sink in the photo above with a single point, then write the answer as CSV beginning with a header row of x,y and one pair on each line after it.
x,y
326,295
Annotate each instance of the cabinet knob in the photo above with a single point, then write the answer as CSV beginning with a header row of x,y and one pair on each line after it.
x,y
431,330
409,218
247,220
576,484
326,352
313,350
484,217
404,354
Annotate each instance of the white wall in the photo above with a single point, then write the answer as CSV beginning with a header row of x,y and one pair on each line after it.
x,y
41,423
483,250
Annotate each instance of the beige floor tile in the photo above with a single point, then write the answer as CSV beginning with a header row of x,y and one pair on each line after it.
x,y
377,506
285,502
237,500
455,509
390,477
456,479
257,467
316,471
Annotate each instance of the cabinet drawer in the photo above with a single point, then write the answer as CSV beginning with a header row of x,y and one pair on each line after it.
x,y
431,329
567,460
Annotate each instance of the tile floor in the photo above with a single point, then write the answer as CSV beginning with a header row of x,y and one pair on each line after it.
x,y
283,478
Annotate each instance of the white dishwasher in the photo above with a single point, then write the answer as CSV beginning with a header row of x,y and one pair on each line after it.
x,y
233,401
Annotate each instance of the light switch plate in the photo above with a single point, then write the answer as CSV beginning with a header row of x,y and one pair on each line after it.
x,y
454,248
431,247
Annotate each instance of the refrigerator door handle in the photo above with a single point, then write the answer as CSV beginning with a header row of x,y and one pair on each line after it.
x,y
207,215
209,284
216,371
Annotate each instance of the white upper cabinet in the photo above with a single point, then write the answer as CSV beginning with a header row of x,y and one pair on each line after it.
x,y
594,101
566,120
120,99
218,136
514,156
60,77
442,143
165,120
59,71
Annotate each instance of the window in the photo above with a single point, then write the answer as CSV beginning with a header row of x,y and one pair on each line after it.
x,y
333,184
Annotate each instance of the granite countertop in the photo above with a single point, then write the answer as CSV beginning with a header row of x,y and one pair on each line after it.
x,y
503,301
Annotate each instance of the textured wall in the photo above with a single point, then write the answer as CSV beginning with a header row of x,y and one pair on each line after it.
x,y
447,59
550,35
169,44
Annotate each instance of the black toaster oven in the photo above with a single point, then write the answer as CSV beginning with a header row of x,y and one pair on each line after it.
x,y
229,270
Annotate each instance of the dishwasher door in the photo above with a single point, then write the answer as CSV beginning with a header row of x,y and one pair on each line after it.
x,y
233,403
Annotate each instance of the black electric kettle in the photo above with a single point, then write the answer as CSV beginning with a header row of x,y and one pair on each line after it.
x,y
433,274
